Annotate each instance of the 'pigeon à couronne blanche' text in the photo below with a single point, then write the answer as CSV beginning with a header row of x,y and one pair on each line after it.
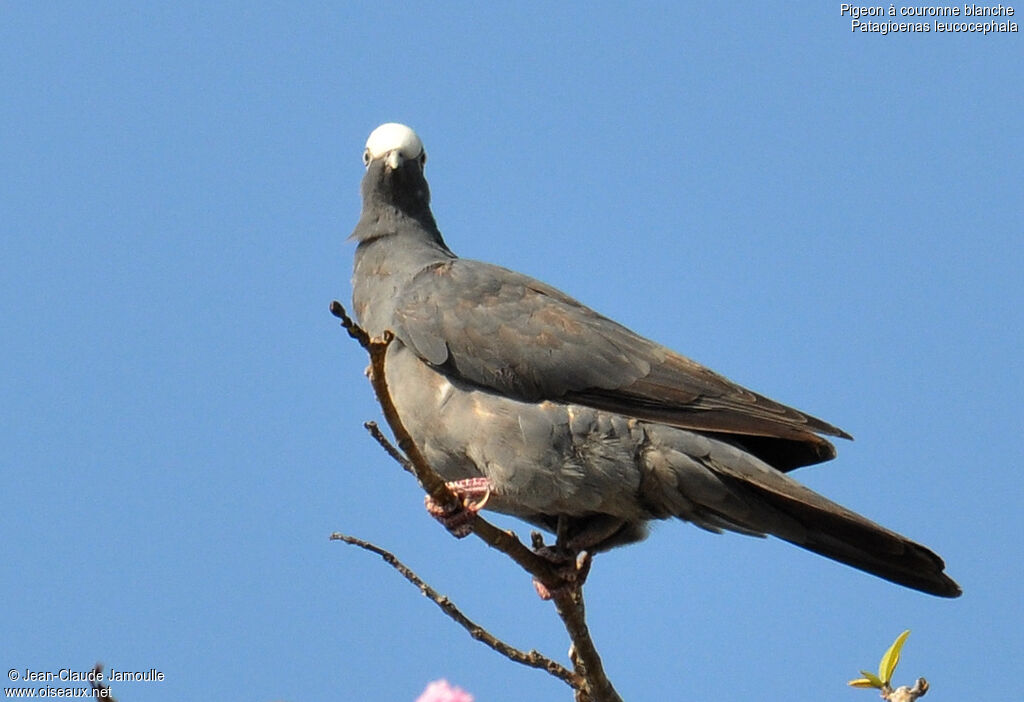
x,y
910,19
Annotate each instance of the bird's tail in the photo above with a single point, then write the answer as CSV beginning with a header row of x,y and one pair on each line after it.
x,y
719,486
837,533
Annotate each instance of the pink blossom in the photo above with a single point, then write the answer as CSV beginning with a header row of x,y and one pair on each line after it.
x,y
441,691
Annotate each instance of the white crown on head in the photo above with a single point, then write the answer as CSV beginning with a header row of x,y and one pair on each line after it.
x,y
393,137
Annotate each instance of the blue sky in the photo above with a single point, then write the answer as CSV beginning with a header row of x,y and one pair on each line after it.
x,y
833,219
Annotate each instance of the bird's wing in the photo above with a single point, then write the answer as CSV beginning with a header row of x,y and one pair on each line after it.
x,y
519,337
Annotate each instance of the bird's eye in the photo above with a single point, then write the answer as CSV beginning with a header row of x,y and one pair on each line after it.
x,y
423,159
366,157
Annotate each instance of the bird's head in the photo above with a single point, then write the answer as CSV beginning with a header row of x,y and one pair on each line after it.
x,y
394,160
394,188
394,144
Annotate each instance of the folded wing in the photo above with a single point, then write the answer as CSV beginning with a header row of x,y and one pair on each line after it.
x,y
521,338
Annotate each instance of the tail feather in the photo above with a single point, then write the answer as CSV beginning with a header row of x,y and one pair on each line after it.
x,y
720,485
837,533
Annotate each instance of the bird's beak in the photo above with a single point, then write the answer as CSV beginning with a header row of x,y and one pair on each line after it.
x,y
394,159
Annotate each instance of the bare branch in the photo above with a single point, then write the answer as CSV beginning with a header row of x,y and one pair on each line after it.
x,y
534,659
585,658
96,684
353,329
388,447
904,693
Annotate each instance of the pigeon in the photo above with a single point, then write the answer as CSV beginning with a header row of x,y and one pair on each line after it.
x,y
532,404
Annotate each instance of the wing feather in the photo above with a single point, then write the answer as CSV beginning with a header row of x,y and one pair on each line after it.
x,y
519,337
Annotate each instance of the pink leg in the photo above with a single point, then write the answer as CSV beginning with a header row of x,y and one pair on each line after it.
x,y
473,493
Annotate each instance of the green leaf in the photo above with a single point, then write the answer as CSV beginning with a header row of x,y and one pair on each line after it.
x,y
872,680
891,658
861,682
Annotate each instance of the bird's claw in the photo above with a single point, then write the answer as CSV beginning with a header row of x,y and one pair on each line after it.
x,y
572,568
473,494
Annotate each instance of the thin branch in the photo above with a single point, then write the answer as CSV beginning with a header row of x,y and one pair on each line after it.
x,y
904,693
96,685
388,447
585,658
534,659
353,329
568,600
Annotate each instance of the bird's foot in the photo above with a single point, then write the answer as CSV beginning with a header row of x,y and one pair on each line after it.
x,y
473,494
572,567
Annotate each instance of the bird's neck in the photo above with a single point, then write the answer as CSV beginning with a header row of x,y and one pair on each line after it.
x,y
386,260
387,215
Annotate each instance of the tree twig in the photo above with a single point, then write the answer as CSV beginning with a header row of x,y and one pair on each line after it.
x,y
96,685
388,447
568,600
904,693
534,659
